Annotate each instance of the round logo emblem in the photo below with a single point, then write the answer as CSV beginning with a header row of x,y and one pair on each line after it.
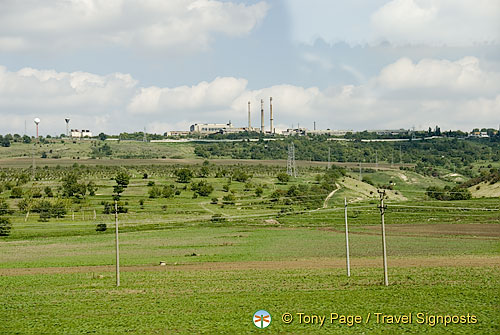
x,y
262,319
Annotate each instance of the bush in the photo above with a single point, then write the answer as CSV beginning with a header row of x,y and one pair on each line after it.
x,y
155,192
184,175
283,177
5,226
16,193
228,199
202,188
241,176
101,227
217,218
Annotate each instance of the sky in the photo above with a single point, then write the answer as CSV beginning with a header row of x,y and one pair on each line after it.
x,y
124,65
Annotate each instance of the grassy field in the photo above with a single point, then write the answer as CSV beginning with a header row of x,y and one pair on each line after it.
x,y
284,256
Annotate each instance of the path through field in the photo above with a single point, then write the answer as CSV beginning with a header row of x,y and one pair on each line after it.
x,y
325,204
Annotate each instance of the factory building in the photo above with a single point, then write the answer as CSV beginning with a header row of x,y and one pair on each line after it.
x,y
75,133
214,128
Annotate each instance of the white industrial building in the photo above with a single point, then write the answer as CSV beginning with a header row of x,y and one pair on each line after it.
x,y
213,128
75,133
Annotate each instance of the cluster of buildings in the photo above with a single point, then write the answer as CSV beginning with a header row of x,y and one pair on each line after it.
x,y
229,128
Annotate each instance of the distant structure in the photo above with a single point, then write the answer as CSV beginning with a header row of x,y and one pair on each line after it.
x,y
291,167
37,121
214,128
261,115
75,133
67,126
271,129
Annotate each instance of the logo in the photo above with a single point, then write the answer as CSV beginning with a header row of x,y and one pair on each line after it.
x,y
262,319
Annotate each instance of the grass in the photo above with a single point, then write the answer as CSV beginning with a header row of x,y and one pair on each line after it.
x,y
223,302
57,276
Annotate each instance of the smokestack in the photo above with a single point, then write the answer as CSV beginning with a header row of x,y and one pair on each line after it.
x,y
314,125
271,114
249,122
261,115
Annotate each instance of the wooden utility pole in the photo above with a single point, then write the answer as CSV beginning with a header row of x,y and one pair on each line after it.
x,y
347,240
382,210
117,246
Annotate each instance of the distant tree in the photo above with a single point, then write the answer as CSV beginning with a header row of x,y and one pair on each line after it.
x,y
241,176
184,175
26,139
202,188
5,142
5,226
122,180
259,191
283,177
16,192
102,136
71,187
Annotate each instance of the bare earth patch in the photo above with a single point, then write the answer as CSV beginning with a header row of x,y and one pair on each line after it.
x,y
436,229
317,263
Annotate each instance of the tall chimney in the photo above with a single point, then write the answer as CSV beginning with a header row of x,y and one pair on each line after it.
x,y
261,115
249,122
271,114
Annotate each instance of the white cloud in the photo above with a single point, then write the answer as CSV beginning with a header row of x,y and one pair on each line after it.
x,y
205,96
438,22
464,23
463,77
459,94
173,25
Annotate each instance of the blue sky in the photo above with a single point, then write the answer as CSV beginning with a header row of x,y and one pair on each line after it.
x,y
122,65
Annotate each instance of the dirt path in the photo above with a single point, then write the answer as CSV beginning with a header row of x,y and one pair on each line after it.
x,y
317,263
325,204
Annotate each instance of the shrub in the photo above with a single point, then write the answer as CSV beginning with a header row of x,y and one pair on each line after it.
x,y
5,226
101,227
202,188
283,177
229,199
184,175
16,193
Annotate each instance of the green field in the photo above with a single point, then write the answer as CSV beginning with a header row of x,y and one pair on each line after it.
x,y
282,250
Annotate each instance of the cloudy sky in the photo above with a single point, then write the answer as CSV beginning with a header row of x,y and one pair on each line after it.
x,y
122,65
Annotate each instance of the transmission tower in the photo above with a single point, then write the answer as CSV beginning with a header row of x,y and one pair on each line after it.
x,y
291,167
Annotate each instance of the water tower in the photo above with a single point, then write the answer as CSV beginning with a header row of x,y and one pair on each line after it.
x,y
37,121
67,126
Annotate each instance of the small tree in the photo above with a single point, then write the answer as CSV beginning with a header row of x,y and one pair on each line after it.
x,y
184,175
122,180
202,188
283,177
16,192
5,226
259,191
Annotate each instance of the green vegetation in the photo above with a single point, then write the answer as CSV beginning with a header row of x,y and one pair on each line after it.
x,y
238,236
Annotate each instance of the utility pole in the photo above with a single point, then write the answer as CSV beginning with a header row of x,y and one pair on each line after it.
x,y
117,246
347,240
360,170
329,158
145,139
249,120
400,155
291,167
382,210
376,160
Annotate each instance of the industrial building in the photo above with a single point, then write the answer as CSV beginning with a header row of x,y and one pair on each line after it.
x,y
75,133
